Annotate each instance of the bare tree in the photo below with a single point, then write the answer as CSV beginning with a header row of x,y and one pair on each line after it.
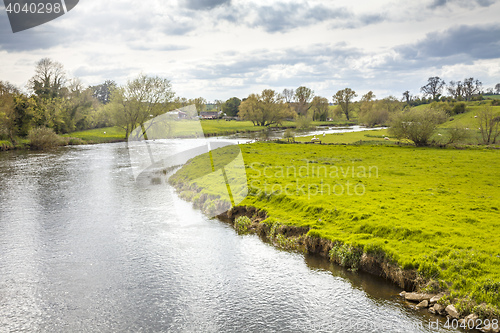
x,y
407,97
433,87
471,87
489,124
497,88
456,89
344,98
288,95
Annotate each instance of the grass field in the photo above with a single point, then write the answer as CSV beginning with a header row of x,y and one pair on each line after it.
x,y
429,209
99,135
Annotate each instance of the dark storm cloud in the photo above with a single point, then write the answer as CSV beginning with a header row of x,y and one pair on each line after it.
x,y
282,16
463,42
463,3
205,4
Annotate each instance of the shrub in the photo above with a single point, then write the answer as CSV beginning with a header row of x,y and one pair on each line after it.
x,y
416,125
289,135
241,224
457,134
303,122
44,138
346,255
458,108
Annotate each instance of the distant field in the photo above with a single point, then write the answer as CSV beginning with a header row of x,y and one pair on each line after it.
x,y
430,209
374,136
99,135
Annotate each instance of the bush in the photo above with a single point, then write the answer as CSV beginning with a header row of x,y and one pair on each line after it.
x,y
458,108
416,125
241,224
346,255
44,138
303,122
289,135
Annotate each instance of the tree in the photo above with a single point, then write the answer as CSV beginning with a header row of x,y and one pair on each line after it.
x,y
48,80
320,108
288,95
230,107
433,87
140,100
343,98
416,125
7,110
218,104
456,89
265,109
378,112
407,97
471,87
102,92
200,104
303,97
497,88
489,124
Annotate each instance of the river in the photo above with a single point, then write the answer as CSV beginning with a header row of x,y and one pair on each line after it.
x,y
84,248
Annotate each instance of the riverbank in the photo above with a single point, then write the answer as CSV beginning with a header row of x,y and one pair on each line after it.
x,y
423,218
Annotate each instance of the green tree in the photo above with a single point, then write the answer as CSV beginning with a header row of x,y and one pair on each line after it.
x,y
102,92
433,87
319,108
416,125
230,107
497,88
49,79
344,98
265,109
140,100
7,111
200,104
303,97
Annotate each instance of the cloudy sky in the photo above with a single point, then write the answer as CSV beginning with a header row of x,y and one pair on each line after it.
x,y
218,49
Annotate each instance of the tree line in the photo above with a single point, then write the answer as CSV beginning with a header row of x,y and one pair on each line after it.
x,y
64,105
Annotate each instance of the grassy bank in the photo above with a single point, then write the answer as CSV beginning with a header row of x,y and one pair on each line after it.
x,y
99,135
433,211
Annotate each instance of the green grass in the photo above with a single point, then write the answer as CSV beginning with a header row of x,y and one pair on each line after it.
x,y
429,209
99,135
373,136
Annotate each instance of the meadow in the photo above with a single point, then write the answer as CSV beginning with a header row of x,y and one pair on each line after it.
x,y
436,211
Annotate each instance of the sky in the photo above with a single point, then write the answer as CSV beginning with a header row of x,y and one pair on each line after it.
x,y
218,49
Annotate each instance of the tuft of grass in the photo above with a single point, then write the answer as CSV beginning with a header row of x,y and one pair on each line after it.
x,y
241,224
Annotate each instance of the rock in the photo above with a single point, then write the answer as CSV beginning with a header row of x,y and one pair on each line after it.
x,y
439,308
472,317
431,310
436,298
452,312
417,297
423,304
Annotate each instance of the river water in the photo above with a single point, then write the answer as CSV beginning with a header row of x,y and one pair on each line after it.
x,y
83,248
